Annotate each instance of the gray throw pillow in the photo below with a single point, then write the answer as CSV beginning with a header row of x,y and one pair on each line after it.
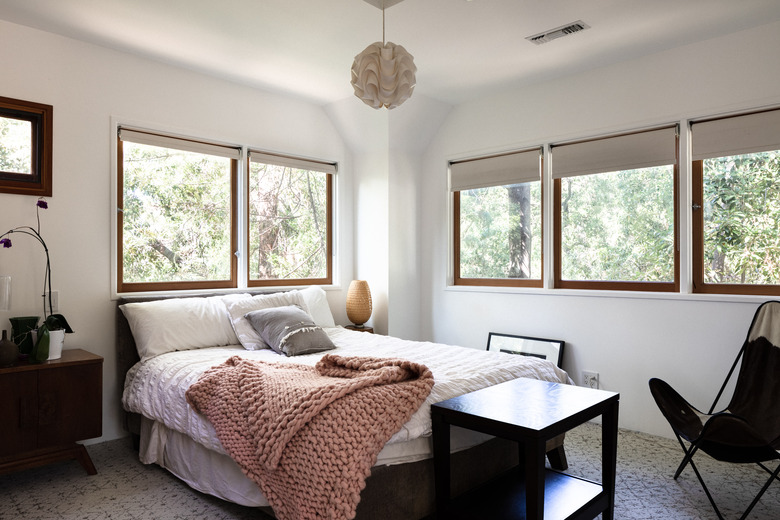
x,y
289,330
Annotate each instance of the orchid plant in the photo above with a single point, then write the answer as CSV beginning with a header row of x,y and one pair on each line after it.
x,y
51,321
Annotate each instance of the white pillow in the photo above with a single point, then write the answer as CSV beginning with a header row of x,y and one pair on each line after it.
x,y
162,326
316,302
244,330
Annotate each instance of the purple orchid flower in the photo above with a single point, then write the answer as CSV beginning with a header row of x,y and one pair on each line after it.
x,y
6,242
42,204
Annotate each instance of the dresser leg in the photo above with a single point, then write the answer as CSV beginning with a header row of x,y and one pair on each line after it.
x,y
82,455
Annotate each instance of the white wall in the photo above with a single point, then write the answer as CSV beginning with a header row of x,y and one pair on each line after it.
x,y
387,147
88,85
690,341
366,133
412,126
371,231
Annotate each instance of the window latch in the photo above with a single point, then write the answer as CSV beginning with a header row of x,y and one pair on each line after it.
x,y
695,206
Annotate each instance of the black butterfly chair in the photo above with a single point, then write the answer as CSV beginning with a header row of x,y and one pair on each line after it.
x,y
748,430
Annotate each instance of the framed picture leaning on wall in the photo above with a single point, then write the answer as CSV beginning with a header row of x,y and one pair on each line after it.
x,y
549,349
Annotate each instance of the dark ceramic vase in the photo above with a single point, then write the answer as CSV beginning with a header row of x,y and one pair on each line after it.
x,y
9,353
20,332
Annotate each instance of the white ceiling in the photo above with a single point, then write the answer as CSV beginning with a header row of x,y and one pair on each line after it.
x,y
462,48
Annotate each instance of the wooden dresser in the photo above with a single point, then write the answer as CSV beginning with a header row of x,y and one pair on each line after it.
x,y
45,408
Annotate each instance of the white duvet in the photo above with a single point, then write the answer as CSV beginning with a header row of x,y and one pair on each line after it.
x,y
155,388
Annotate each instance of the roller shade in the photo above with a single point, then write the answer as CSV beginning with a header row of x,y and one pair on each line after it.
x,y
496,170
611,154
292,162
737,135
187,145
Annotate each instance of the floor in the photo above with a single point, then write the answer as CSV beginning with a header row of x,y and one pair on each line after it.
x,y
125,489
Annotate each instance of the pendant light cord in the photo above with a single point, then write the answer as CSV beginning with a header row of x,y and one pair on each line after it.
x,y
383,23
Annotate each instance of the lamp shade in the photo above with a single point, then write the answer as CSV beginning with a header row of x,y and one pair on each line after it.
x,y
358,302
383,75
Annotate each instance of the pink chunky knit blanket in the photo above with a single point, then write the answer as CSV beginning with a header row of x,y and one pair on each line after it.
x,y
308,436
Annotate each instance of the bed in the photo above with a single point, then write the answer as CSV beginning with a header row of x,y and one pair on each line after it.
x,y
164,345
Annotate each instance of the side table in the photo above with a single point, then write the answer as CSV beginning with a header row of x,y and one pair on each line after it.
x,y
360,329
530,412
49,406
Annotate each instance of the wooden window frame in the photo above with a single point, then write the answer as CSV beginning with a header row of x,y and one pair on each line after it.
x,y
131,287
39,182
603,285
329,246
490,282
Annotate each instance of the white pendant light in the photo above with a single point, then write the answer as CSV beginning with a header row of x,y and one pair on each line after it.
x,y
383,74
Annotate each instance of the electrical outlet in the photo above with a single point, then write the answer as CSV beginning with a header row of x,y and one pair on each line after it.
x,y
55,301
590,379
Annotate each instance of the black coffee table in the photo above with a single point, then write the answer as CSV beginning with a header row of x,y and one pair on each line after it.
x,y
530,412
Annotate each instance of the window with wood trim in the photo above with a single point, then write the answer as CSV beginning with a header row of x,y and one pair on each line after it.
x,y
736,204
25,147
615,212
497,204
290,229
177,213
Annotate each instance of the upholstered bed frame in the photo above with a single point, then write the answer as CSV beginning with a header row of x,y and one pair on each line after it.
x,y
393,492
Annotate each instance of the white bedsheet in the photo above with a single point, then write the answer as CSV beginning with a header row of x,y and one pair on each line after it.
x,y
155,388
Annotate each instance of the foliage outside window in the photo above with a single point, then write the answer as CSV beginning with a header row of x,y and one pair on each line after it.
x,y
501,232
16,150
615,212
25,147
736,217
618,226
176,225
289,220
742,219
497,205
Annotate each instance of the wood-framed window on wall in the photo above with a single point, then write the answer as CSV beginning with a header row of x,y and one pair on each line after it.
x,y
615,212
26,147
736,204
177,213
289,220
497,220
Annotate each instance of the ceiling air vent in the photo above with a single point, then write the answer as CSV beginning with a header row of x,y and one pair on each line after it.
x,y
558,32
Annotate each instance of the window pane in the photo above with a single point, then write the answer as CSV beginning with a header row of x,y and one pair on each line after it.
x,y
176,218
288,224
15,145
741,219
501,232
618,226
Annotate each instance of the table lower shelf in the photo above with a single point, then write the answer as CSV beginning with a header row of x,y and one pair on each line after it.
x,y
565,498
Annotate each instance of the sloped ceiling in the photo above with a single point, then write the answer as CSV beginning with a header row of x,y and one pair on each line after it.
x,y
463,48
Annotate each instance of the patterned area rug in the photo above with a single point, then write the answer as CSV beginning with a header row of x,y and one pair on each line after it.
x,y
125,489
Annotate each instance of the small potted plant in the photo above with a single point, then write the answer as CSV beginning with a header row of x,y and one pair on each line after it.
x,y
54,323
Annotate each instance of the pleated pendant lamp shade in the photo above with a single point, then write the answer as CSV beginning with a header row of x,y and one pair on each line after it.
x,y
383,75
358,302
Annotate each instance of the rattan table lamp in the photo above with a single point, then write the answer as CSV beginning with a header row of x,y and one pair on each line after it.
x,y
358,302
